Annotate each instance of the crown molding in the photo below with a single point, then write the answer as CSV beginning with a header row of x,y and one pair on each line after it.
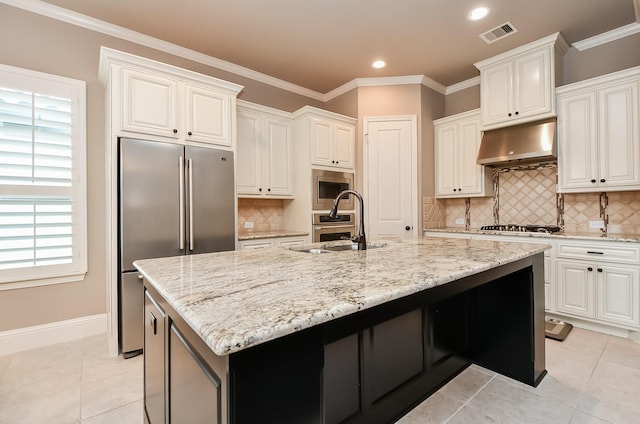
x,y
607,37
462,85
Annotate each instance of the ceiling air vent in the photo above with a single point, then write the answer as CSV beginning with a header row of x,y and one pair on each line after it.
x,y
499,32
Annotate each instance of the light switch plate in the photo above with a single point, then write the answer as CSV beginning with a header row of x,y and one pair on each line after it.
x,y
459,221
596,224
248,224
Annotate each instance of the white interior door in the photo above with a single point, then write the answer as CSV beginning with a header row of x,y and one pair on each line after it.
x,y
390,176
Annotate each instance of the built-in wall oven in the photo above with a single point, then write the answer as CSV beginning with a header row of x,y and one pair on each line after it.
x,y
327,185
343,227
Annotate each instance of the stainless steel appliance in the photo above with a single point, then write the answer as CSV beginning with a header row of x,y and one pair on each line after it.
x,y
173,200
325,228
326,187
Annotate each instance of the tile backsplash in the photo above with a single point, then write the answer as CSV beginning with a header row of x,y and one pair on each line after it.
x,y
529,197
266,215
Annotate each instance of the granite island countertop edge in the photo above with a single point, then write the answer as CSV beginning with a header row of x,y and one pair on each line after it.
x,y
238,299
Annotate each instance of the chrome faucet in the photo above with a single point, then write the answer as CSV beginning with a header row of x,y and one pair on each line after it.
x,y
361,239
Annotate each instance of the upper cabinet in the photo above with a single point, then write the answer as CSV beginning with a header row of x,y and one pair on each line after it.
x,y
157,99
264,160
457,139
519,86
598,134
332,138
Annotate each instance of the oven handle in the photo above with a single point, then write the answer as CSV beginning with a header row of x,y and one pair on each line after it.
x,y
326,227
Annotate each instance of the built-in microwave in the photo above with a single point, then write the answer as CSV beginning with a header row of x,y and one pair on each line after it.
x,y
326,187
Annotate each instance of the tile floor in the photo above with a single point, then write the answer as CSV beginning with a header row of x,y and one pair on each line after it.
x,y
593,379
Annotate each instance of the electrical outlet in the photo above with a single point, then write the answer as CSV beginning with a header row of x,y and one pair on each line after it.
x,y
596,224
459,221
248,224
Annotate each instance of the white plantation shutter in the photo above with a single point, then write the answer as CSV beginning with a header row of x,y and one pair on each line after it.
x,y
42,178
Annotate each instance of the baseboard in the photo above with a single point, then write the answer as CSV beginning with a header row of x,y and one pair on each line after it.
x,y
600,328
21,339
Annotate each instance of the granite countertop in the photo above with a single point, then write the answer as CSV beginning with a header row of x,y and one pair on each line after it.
x,y
238,299
559,235
255,235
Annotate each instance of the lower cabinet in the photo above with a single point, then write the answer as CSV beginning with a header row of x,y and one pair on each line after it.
x,y
154,360
273,242
180,385
191,383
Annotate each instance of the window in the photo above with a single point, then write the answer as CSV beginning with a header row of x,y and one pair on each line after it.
x,y
42,179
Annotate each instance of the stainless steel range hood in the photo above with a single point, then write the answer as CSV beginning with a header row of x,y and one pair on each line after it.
x,y
524,144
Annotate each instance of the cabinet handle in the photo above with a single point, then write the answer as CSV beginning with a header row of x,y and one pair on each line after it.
x,y
509,114
175,131
590,269
459,189
260,189
599,269
333,161
268,189
517,113
602,180
190,133
593,181
593,252
153,323
455,189
408,228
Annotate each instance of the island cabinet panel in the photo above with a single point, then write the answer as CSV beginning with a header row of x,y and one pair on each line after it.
x,y
397,352
341,379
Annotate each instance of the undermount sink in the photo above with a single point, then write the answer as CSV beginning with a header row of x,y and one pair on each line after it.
x,y
335,248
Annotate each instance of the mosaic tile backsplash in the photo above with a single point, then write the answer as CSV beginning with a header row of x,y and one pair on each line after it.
x,y
529,197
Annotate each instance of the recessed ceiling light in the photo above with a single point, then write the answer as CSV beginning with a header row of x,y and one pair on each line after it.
x,y
478,13
379,64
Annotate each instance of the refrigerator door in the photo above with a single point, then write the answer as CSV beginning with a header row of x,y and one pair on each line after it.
x,y
210,200
150,201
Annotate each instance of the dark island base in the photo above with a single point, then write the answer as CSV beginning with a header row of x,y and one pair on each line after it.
x,y
376,365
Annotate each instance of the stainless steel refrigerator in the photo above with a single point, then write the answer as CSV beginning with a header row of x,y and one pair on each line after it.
x,y
173,200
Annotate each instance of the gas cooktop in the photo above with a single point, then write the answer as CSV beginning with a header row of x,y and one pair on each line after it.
x,y
523,228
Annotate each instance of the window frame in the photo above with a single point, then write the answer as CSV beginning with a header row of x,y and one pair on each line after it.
x,y
48,84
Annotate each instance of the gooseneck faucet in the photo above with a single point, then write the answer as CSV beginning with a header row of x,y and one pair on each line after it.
x,y
361,239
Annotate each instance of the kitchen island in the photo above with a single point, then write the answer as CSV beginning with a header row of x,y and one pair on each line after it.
x,y
285,336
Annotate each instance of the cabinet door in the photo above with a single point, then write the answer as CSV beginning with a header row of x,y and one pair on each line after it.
x,y
194,390
344,146
577,142
249,167
149,104
497,93
618,136
470,174
154,383
446,182
277,157
255,244
532,85
576,290
207,116
618,290
321,142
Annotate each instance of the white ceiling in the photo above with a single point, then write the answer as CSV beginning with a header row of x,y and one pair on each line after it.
x,y
323,44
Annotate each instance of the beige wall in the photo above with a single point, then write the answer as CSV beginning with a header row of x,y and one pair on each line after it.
x,y
462,101
52,46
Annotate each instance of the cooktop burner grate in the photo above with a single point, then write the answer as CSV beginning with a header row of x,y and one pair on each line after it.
x,y
522,228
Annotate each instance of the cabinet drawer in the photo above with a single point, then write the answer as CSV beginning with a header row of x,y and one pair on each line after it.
x,y
617,253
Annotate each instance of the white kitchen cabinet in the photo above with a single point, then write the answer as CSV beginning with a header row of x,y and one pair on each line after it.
x,y
331,136
600,282
457,139
264,159
180,106
264,243
519,86
598,134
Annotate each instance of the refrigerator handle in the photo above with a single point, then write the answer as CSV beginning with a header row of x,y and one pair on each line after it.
x,y
190,167
181,202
